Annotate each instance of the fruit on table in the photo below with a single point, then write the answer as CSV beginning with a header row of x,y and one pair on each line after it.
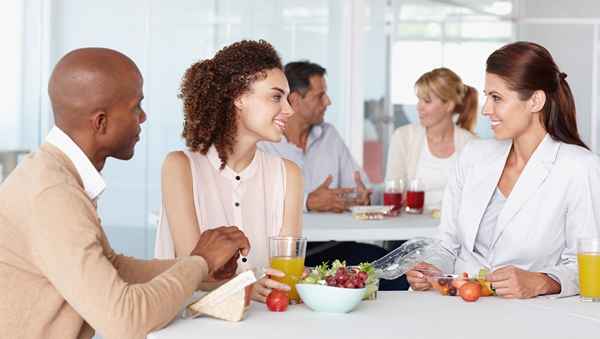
x,y
486,286
277,301
470,291
452,291
445,284
338,276
347,278
453,285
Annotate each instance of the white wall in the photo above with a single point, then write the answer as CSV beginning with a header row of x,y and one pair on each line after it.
x,y
10,89
569,30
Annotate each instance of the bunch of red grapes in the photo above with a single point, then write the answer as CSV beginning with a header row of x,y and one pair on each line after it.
x,y
347,278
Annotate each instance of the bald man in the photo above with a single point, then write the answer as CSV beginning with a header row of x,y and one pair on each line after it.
x,y
59,277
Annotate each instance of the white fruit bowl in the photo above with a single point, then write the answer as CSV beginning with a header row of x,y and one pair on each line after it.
x,y
321,298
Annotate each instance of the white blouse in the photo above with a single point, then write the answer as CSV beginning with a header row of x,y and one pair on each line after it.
x,y
252,200
484,239
433,173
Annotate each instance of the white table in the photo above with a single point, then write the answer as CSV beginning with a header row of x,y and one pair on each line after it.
x,y
408,315
343,227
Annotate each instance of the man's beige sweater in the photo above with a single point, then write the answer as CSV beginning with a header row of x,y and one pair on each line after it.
x,y
59,277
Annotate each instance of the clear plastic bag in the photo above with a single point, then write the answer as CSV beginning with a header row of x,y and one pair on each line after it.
x,y
405,257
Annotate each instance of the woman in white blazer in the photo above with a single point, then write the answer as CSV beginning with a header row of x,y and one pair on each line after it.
x,y
517,204
428,150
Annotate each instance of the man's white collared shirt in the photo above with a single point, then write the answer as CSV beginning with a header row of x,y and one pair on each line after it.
x,y
93,183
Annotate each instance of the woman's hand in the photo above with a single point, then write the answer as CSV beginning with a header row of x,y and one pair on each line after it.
x,y
417,279
513,282
263,287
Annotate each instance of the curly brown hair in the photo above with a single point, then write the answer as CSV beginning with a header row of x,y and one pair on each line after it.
x,y
210,87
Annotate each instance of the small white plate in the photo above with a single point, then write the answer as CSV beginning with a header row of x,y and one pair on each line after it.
x,y
376,212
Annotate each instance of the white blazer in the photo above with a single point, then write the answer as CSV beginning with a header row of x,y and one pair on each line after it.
x,y
555,201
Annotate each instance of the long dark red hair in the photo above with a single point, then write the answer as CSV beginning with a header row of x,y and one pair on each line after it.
x,y
528,67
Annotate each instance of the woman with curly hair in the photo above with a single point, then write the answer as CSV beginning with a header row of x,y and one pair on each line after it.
x,y
231,102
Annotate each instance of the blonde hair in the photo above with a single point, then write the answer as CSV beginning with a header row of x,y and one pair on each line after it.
x,y
448,86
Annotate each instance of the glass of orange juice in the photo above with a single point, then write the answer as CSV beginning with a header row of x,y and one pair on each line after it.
x,y
588,259
287,255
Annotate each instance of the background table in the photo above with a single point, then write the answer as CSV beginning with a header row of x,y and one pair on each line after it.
x,y
343,227
408,315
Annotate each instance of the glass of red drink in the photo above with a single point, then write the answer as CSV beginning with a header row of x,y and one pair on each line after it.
x,y
415,197
392,195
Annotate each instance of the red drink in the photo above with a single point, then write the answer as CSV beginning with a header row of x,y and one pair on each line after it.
x,y
393,198
415,201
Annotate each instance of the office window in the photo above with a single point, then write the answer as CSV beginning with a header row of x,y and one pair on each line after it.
x,y
11,17
460,36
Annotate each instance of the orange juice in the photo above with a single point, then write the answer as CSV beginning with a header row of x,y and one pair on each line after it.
x,y
589,274
293,267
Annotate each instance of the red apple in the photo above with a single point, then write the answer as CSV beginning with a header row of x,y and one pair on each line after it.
x,y
277,301
471,291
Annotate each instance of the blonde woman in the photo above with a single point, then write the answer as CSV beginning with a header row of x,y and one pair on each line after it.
x,y
427,150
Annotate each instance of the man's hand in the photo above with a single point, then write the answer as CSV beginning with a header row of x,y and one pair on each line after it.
x,y
220,247
325,199
228,270
364,195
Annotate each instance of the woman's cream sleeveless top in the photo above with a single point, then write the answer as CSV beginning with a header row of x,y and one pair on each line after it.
x,y
252,200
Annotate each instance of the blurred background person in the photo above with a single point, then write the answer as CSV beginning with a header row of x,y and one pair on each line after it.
x,y
316,146
428,150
